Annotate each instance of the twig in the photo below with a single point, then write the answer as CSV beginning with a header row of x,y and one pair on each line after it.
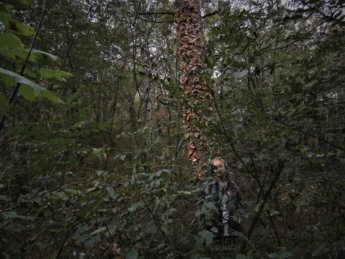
x,y
110,235
173,13
66,237
169,13
228,138
158,13
320,138
210,14
266,196
154,21
275,230
330,18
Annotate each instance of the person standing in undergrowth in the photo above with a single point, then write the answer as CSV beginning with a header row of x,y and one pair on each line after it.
x,y
226,198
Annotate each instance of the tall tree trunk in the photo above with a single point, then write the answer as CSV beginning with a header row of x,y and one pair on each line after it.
x,y
197,97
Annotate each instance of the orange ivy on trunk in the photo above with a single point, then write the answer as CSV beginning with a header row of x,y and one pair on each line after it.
x,y
190,46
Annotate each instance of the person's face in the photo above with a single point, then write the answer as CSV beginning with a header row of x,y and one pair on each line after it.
x,y
218,167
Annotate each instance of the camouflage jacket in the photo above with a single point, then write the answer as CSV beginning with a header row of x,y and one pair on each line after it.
x,y
227,202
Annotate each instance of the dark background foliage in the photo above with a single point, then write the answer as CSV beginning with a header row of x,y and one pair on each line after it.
x,y
92,154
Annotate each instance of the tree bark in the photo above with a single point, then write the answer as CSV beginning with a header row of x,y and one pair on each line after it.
x,y
197,97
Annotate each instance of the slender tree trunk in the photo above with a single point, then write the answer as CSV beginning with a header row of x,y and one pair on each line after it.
x,y
197,97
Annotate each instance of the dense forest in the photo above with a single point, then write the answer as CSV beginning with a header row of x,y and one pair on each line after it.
x,y
111,111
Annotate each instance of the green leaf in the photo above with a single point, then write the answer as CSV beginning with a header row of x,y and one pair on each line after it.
x,y
10,41
7,80
4,103
136,206
23,80
14,215
15,25
241,74
21,28
73,191
36,54
185,192
49,95
47,73
11,46
98,231
27,93
132,254
207,236
5,18
36,89
60,196
111,193
13,54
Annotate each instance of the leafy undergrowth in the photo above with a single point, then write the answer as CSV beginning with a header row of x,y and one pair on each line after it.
x,y
89,200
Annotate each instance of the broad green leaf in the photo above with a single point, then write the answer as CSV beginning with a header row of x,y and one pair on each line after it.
x,y
21,28
27,93
23,80
32,73
7,80
39,53
36,90
10,41
4,103
15,25
13,54
49,95
47,73
5,18
11,46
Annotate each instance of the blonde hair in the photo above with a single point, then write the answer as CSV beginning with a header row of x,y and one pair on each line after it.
x,y
217,158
